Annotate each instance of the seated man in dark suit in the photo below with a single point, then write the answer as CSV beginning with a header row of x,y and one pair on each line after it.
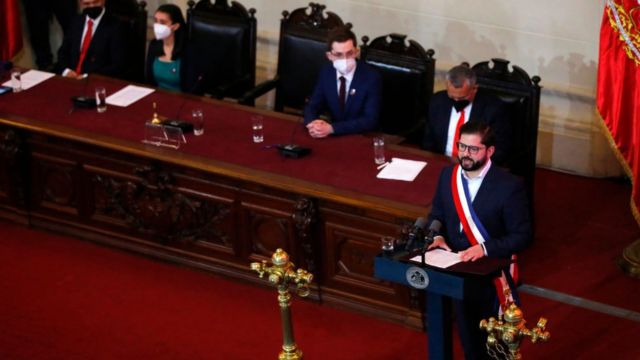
x,y
462,102
346,99
484,212
94,43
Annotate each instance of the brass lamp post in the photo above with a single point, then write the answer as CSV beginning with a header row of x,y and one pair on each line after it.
x,y
511,331
282,274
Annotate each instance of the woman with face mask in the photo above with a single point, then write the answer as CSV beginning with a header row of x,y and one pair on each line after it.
x,y
165,63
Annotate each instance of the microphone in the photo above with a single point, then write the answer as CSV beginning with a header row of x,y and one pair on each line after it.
x,y
83,101
185,126
291,150
432,232
416,232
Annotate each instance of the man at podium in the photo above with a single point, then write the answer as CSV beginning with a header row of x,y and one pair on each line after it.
x,y
484,212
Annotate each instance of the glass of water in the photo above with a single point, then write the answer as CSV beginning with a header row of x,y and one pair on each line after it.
x,y
198,122
101,99
256,126
378,150
16,80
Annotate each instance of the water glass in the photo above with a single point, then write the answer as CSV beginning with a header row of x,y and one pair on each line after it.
x,y
197,118
256,126
378,150
387,244
101,99
16,80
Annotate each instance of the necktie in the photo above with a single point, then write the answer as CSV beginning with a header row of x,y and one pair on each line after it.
x,y
85,45
454,149
342,92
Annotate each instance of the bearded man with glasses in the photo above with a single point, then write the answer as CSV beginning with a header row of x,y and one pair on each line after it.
x,y
484,212
346,98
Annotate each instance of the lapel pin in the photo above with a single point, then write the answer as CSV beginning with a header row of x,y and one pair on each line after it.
x,y
352,92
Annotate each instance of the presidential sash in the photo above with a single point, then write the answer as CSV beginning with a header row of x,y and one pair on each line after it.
x,y
477,234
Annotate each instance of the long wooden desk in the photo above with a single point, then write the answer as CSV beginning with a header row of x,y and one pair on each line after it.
x,y
217,203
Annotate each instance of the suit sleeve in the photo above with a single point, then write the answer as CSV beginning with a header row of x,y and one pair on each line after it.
x,y
437,205
64,52
366,120
118,39
317,102
429,141
517,224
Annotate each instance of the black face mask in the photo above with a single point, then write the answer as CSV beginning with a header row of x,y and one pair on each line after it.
x,y
92,12
460,104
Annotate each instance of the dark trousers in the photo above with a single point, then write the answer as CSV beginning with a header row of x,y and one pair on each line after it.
x,y
482,304
38,14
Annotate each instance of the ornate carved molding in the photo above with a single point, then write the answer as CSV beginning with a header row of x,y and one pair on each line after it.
x,y
153,206
304,216
14,156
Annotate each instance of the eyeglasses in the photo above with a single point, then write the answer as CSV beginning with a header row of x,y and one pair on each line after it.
x,y
346,55
472,149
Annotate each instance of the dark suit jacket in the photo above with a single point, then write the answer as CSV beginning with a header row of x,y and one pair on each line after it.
x,y
106,53
501,205
362,107
486,108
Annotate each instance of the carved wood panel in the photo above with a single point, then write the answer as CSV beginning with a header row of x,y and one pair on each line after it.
x,y
56,184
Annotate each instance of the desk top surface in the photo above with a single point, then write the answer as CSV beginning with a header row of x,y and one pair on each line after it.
x,y
341,166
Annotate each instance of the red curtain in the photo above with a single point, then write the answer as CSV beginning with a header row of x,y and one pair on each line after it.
x,y
10,31
618,92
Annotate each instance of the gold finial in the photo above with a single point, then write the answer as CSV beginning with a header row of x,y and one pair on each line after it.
x,y
510,330
282,274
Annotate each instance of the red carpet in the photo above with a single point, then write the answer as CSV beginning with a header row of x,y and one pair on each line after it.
x,y
63,298
68,299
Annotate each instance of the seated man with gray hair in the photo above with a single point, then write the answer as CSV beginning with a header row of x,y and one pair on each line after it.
x,y
460,103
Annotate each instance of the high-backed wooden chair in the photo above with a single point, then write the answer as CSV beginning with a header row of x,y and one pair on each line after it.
x,y
134,15
222,48
521,93
407,72
301,55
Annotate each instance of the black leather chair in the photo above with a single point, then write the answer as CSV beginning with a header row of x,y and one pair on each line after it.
x,y
407,72
134,15
301,55
222,48
521,94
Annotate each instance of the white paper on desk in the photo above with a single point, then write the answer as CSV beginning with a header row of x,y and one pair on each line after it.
x,y
31,78
438,258
402,169
128,95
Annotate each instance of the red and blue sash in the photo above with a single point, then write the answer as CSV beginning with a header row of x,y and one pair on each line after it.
x,y
477,234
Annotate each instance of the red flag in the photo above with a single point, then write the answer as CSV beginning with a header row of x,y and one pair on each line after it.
x,y
618,93
10,30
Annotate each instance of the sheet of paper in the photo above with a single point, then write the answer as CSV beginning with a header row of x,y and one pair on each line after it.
x,y
128,95
439,258
32,78
402,169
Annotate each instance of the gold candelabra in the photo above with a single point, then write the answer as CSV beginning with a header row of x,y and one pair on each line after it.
x,y
282,274
511,330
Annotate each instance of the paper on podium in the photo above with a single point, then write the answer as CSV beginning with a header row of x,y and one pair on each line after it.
x,y
128,95
31,78
402,169
438,258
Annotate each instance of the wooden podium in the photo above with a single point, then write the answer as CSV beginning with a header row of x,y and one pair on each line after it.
x,y
441,285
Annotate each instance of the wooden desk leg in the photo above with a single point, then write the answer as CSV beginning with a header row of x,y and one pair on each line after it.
x,y
439,327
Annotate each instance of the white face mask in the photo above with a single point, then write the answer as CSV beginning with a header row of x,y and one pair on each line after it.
x,y
344,66
161,31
